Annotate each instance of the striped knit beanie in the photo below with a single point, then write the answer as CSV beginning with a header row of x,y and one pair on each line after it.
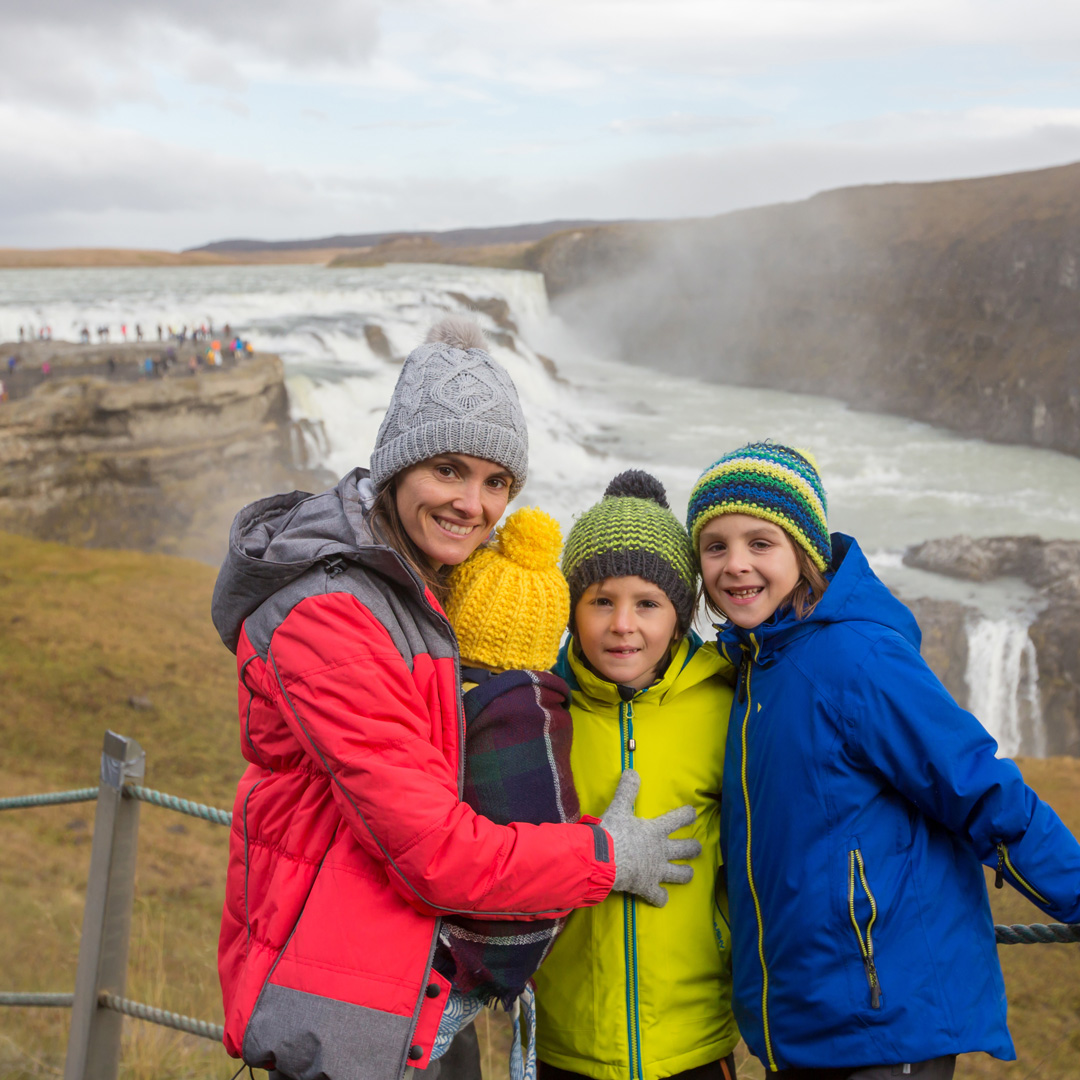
x,y
508,602
632,532
769,481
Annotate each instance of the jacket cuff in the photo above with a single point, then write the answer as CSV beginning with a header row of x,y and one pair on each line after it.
x,y
602,877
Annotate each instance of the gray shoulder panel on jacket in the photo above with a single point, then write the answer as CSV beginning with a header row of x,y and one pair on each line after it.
x,y
413,630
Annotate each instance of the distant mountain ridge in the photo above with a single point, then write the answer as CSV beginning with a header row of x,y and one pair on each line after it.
x,y
497,234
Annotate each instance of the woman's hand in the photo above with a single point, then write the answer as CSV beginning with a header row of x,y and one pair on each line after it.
x,y
643,846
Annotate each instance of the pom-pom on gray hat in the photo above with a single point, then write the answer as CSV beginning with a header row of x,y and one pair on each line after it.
x,y
452,398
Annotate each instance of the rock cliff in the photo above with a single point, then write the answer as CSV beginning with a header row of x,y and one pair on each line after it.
x,y
159,465
956,303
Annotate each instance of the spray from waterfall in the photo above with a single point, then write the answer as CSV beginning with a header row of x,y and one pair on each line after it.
x,y
1003,684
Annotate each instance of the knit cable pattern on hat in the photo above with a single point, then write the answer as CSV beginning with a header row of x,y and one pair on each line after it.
x,y
769,481
631,532
452,400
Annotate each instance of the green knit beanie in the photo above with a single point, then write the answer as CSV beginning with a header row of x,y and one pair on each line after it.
x,y
632,532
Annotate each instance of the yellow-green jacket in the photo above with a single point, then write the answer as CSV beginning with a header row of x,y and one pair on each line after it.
x,y
630,991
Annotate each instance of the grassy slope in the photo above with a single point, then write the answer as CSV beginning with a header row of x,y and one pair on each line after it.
x,y
34,258
81,632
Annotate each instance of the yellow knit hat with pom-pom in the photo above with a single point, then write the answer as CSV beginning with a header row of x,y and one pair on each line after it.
x,y
509,602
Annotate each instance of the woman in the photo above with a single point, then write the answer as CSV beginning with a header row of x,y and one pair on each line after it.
x,y
349,839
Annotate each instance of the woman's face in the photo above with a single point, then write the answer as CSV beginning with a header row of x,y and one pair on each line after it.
x,y
449,504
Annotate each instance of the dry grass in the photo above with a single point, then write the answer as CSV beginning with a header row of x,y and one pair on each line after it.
x,y
81,632
34,258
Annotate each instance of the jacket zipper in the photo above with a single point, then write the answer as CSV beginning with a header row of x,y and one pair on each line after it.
x,y
1005,863
633,1026
866,944
744,695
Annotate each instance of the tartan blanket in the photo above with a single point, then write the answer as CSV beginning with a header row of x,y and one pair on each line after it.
x,y
517,768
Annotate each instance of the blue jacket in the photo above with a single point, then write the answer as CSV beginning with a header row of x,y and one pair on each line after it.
x,y
859,800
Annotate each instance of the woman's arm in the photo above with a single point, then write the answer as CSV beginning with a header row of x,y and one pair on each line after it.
x,y
361,714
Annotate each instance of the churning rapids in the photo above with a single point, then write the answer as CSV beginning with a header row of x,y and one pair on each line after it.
x,y
891,482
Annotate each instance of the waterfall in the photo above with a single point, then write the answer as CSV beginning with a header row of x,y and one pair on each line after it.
x,y
1003,684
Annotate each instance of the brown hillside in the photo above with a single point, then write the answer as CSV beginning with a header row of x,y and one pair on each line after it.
x,y
957,303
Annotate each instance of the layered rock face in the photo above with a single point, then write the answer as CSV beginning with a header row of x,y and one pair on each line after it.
x,y
1050,566
158,465
955,303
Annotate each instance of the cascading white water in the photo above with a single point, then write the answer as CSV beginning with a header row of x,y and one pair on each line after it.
x,y
1003,684
891,482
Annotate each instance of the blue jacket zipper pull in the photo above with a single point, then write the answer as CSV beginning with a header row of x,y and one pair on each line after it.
x,y
999,877
872,979
742,683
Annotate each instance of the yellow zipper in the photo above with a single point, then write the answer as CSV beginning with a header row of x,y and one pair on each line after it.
x,y
866,946
750,879
1004,862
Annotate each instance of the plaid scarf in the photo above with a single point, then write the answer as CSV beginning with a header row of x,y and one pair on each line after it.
x,y
517,768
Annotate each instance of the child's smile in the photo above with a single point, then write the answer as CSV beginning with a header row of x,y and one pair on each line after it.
x,y
625,627
748,566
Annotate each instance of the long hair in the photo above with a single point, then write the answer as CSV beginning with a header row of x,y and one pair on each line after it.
x,y
806,595
388,526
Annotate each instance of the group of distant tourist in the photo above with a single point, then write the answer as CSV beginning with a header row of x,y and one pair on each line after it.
x,y
203,331
207,352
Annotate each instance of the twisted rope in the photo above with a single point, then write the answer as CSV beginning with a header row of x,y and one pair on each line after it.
x,y
202,1028
181,806
1037,933
19,802
56,1001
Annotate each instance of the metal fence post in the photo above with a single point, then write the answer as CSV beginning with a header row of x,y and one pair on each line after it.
x,y
93,1051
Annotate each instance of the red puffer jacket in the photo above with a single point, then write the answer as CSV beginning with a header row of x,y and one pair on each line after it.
x,y
349,837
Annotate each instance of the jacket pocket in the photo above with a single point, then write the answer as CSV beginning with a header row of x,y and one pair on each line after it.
x,y
721,920
864,930
1005,863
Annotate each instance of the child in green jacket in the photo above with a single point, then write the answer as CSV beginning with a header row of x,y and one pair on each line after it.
x,y
631,991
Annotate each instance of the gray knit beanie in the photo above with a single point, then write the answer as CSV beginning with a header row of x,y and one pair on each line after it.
x,y
452,398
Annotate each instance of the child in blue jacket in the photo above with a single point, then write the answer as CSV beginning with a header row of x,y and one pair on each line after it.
x,y
859,801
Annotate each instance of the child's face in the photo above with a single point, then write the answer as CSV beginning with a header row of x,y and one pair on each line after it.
x,y
748,566
625,627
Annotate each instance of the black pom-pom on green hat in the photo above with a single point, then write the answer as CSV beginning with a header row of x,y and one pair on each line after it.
x,y
632,532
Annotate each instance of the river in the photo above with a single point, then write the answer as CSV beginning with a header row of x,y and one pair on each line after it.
x,y
891,482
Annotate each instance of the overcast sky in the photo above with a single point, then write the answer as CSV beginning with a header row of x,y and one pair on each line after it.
x,y
170,123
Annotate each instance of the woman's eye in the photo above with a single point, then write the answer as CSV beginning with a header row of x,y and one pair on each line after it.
x,y
497,482
444,470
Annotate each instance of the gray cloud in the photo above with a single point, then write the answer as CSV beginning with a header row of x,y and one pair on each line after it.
x,y
84,56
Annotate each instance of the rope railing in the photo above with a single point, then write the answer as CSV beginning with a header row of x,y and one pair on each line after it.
x,y
131,791
21,802
181,806
202,1028
130,755
1037,933
52,1001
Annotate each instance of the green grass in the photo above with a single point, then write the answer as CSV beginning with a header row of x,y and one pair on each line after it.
x,y
81,633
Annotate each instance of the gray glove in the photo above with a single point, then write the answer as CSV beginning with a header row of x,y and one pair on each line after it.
x,y
643,846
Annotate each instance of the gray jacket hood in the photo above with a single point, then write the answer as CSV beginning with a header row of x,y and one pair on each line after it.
x,y
276,540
